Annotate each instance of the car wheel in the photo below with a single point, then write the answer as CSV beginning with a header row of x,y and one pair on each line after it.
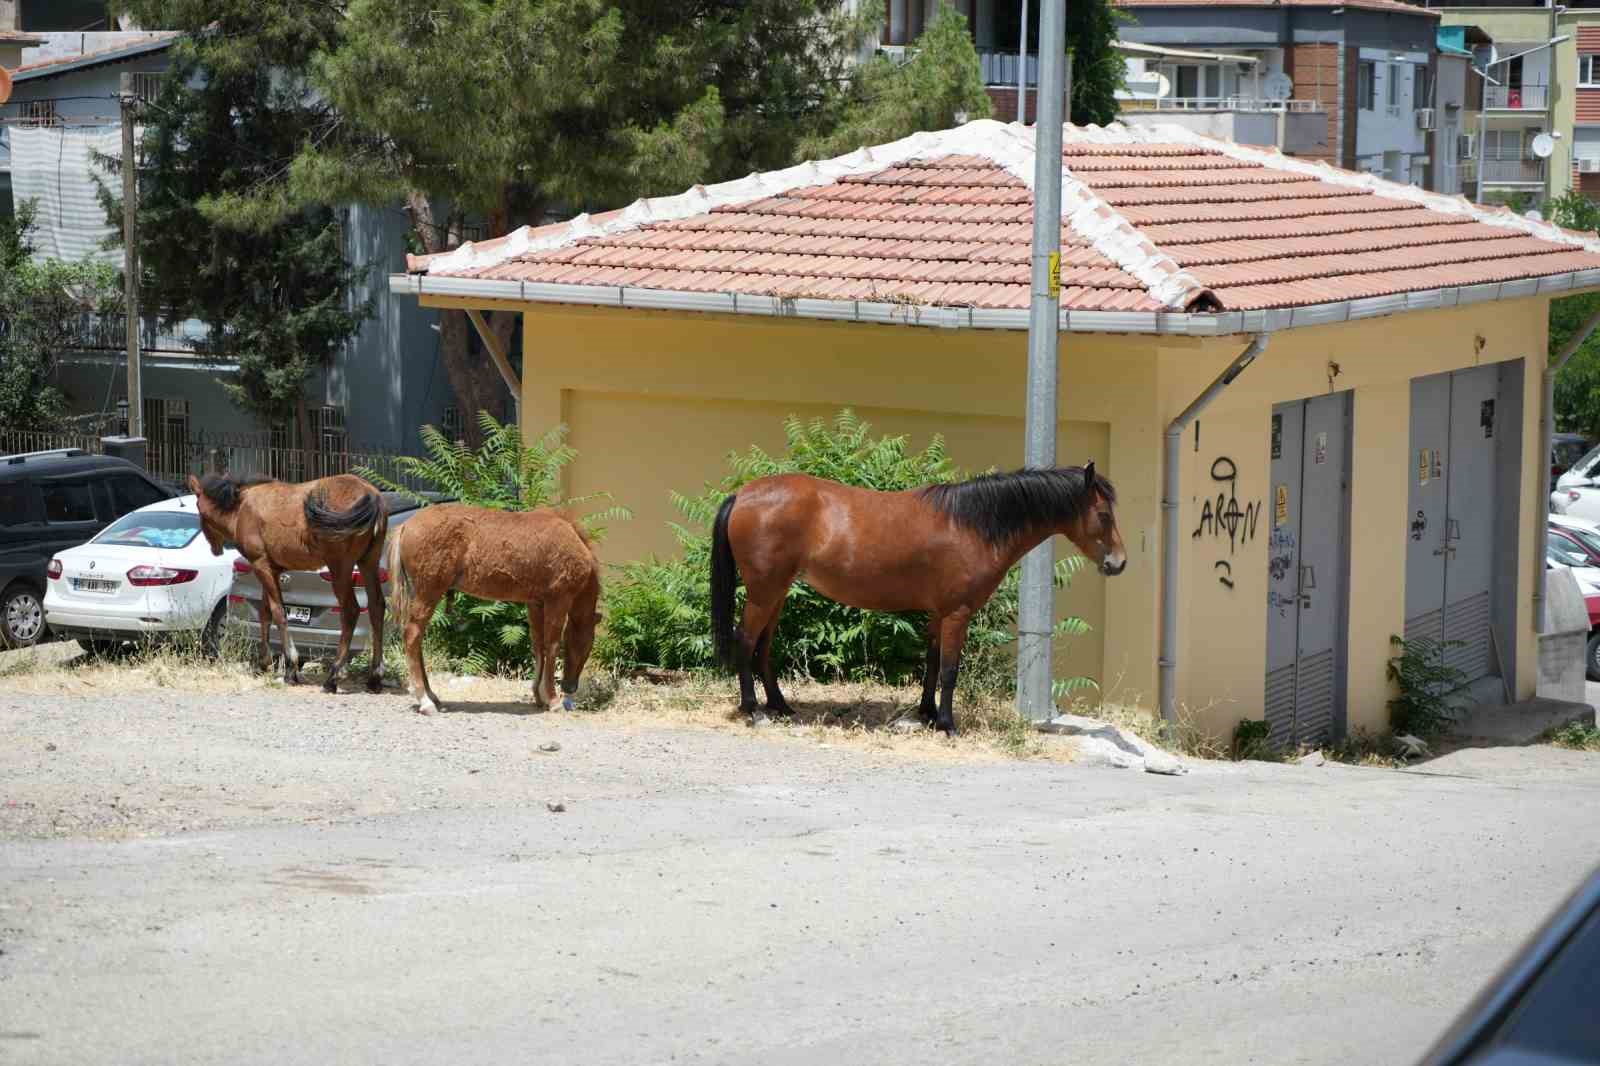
x,y
21,616
211,635
1591,658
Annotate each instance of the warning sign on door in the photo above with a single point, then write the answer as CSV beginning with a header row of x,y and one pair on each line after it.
x,y
1424,465
1280,510
1322,448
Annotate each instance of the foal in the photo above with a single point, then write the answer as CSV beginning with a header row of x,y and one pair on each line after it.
x,y
540,558
338,522
942,549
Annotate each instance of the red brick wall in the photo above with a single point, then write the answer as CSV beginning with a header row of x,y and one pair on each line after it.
x,y
1588,39
1315,71
1588,102
1005,104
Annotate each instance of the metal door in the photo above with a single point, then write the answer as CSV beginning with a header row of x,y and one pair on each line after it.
x,y
1450,533
1306,568
1426,532
1469,558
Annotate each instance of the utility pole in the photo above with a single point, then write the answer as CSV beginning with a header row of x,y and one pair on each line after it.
x,y
1036,609
130,244
1022,70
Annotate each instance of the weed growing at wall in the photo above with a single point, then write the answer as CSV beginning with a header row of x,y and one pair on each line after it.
x,y
1427,684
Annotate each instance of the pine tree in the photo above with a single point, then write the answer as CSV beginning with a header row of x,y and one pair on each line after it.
x,y
229,120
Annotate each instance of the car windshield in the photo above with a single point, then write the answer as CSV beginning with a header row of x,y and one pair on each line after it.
x,y
1564,553
152,529
1570,452
1582,465
1587,537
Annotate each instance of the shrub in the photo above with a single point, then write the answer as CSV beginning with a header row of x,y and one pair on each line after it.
x,y
1427,683
657,613
505,473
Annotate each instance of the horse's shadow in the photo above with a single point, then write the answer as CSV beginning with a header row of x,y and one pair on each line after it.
x,y
870,713
520,708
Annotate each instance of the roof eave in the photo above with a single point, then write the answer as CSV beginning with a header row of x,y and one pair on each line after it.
x,y
1223,323
67,66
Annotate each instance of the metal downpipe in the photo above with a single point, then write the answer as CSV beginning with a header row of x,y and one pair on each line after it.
x,y
1547,434
1168,662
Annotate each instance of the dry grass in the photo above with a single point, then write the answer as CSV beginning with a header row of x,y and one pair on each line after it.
x,y
1188,736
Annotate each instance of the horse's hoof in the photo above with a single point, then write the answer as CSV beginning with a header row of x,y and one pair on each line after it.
x,y
330,686
375,683
568,703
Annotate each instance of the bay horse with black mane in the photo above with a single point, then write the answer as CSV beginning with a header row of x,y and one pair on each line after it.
x,y
339,522
943,549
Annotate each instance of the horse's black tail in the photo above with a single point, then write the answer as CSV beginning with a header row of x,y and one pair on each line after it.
x,y
364,515
724,579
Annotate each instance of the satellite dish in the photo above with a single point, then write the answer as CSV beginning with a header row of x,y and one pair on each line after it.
x,y
1163,86
5,85
1277,86
1544,146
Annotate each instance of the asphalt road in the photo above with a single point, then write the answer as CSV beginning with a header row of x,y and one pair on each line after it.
x,y
708,897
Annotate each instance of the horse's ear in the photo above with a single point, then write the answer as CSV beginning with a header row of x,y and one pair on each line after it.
x,y
1088,473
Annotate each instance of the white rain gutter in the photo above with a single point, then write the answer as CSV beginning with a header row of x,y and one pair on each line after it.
x,y
1547,433
1167,664
1218,324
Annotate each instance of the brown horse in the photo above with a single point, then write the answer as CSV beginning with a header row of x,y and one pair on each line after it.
x,y
338,522
540,558
942,549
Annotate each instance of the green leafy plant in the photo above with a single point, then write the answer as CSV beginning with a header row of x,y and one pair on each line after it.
x,y
506,473
1578,736
657,613
1427,684
1252,740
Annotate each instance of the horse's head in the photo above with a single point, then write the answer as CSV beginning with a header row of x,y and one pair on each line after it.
x,y
1095,530
216,500
578,640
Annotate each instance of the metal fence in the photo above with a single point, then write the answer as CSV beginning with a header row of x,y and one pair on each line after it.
x,y
172,455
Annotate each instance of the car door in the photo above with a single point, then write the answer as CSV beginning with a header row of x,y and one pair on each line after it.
x,y
22,550
70,515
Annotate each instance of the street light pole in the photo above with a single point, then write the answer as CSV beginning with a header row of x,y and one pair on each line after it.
x,y
1022,70
1036,607
130,244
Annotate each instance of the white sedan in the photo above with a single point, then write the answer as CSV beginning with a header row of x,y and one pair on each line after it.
x,y
148,574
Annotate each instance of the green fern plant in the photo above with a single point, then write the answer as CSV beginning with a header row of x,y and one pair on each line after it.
x,y
506,473
1427,684
657,612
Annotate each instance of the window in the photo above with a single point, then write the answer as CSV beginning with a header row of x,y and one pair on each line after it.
x,y
38,113
1394,84
1421,86
1589,70
1366,77
14,509
153,529
67,501
129,493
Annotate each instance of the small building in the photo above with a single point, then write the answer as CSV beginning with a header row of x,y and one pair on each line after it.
x,y
1374,470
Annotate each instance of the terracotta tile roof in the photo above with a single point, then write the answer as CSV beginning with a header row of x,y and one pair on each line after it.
x,y
1365,5
18,37
1154,219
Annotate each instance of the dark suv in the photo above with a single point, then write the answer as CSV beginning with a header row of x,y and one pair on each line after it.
x,y
50,501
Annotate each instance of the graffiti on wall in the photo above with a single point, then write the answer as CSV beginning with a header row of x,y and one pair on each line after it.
x,y
1280,563
1223,517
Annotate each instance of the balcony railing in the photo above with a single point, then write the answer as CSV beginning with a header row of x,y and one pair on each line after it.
x,y
1218,103
1516,98
1000,68
1511,170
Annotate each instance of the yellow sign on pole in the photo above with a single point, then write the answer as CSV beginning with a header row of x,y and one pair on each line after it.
x,y
1055,275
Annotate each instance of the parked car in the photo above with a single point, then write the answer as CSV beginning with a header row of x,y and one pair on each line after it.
x,y
50,501
1566,450
1569,547
148,575
1540,1008
309,602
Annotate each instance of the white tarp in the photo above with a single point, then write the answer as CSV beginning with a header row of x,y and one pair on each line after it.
x,y
55,167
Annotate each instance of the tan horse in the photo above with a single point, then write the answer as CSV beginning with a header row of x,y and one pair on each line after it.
x,y
943,549
337,522
540,558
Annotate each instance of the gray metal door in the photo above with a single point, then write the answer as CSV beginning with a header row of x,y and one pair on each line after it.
x,y
1450,531
1306,568
1470,477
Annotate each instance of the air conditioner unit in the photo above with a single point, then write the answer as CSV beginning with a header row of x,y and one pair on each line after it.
x,y
1467,146
1425,118
1589,166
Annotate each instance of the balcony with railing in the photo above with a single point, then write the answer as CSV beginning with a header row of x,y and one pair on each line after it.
x,y
1516,97
1509,168
1220,103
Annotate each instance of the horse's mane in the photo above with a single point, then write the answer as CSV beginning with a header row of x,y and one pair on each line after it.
x,y
225,492
998,507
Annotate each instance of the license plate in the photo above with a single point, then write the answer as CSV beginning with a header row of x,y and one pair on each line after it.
x,y
94,584
298,615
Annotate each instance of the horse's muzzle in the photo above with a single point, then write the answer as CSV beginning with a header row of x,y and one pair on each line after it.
x,y
1112,568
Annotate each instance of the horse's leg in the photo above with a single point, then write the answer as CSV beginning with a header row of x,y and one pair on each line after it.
x,y
264,660
536,646
555,621
349,612
769,678
420,611
928,710
272,594
756,614
371,577
952,638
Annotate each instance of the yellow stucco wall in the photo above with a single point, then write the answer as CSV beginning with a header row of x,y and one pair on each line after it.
x,y
655,400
